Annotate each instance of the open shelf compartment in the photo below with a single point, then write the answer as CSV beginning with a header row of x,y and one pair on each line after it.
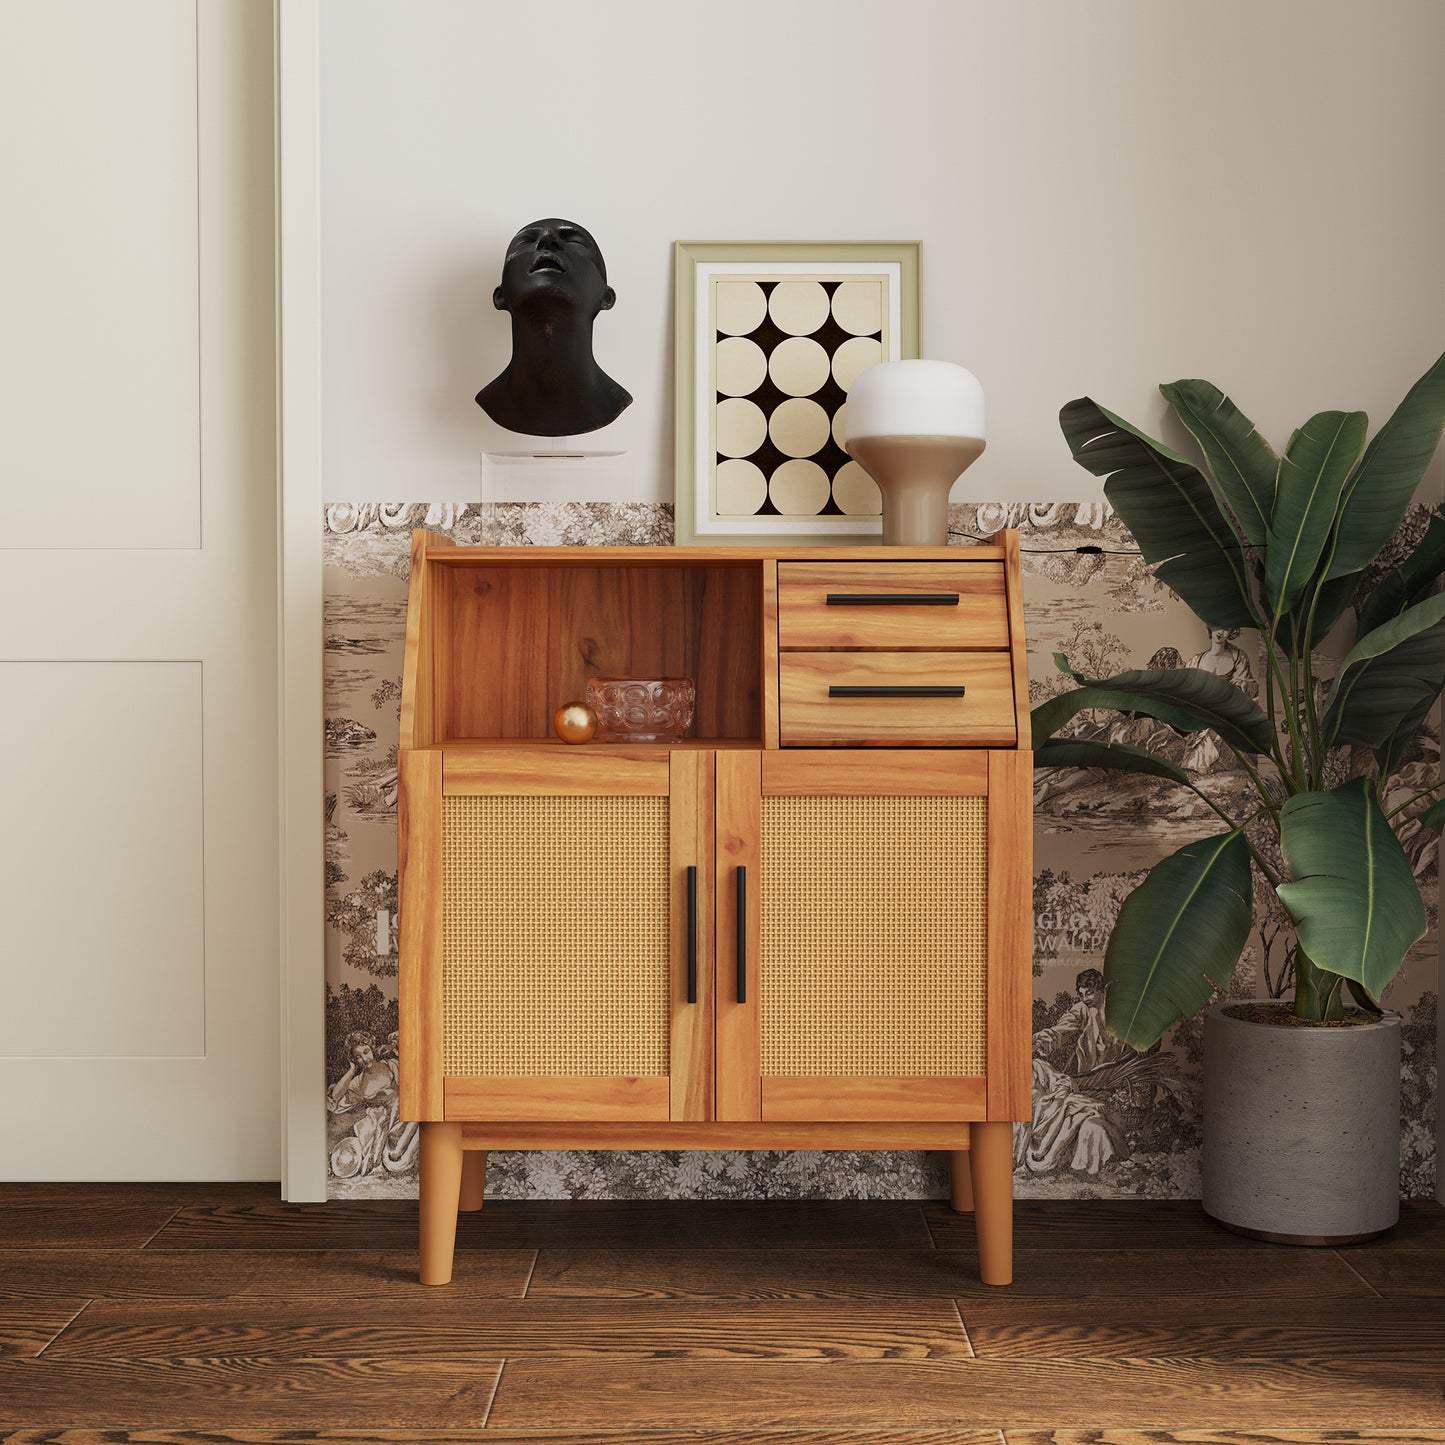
x,y
505,638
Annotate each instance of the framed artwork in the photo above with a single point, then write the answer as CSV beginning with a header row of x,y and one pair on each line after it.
x,y
770,335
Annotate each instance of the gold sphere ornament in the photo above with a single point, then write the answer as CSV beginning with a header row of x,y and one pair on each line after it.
x,y
575,722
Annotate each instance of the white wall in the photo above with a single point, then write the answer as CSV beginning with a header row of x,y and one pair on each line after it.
x,y
1110,194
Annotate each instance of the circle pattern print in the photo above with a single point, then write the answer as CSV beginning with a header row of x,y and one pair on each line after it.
x,y
785,352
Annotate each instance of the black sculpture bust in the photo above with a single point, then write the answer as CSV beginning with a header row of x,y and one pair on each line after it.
x,y
554,282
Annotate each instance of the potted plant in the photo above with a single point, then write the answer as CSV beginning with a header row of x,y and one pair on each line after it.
x,y
1301,1100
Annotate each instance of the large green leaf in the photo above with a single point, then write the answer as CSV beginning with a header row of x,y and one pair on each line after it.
x,y
1184,697
1352,894
1321,455
1434,817
1122,757
1386,677
1334,596
1242,463
1411,581
1385,480
1390,753
1169,507
1177,938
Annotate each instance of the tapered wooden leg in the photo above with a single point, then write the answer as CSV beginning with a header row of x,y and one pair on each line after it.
x,y
991,1155
960,1180
441,1187
474,1179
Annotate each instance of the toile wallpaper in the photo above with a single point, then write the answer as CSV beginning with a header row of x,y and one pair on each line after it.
x,y
1107,1121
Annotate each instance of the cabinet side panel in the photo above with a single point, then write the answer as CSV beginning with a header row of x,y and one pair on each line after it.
x,y
419,965
416,667
1010,933
739,821
690,833
1013,581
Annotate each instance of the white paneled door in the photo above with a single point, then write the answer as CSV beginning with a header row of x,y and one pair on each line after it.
x,y
139,1011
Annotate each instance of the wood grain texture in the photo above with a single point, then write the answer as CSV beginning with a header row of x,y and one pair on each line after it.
x,y
1266,1436
556,1100
900,774
206,1394
1013,575
28,1325
1242,1328
770,653
832,1273
419,938
590,770
587,1224
717,1135
660,1322
467,557
852,1270
690,845
348,1273
47,1226
525,637
1010,933
105,1195
418,724
1100,1224
969,1394
827,1435
806,621
910,1099
725,649
466,1328
809,717
739,845
1394,1271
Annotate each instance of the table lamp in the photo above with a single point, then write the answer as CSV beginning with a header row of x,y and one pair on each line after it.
x,y
914,426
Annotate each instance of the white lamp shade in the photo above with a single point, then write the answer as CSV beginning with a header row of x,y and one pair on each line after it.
x,y
915,398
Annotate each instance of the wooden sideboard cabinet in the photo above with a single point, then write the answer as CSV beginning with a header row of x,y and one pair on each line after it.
x,y
807,926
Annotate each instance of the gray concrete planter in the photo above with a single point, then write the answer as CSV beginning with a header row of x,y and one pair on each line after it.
x,y
1302,1128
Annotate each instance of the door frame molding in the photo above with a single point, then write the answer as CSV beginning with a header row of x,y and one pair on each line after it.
x,y
301,942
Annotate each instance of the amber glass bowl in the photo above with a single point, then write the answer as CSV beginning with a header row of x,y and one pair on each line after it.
x,y
642,709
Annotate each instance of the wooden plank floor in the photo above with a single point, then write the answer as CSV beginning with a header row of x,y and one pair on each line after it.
x,y
179,1313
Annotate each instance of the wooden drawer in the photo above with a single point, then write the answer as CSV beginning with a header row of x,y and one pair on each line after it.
x,y
933,605
812,713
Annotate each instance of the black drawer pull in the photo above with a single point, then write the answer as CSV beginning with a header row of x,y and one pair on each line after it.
x,y
896,691
692,935
893,599
742,935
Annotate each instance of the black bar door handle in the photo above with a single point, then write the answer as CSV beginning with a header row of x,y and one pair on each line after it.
x,y
692,935
896,691
893,599
742,935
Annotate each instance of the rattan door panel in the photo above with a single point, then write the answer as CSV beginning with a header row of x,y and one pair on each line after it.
x,y
871,950
555,928
562,977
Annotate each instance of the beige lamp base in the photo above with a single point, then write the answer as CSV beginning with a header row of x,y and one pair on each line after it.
x,y
915,475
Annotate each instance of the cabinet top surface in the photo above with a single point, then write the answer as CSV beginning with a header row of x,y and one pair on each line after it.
x,y
440,550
